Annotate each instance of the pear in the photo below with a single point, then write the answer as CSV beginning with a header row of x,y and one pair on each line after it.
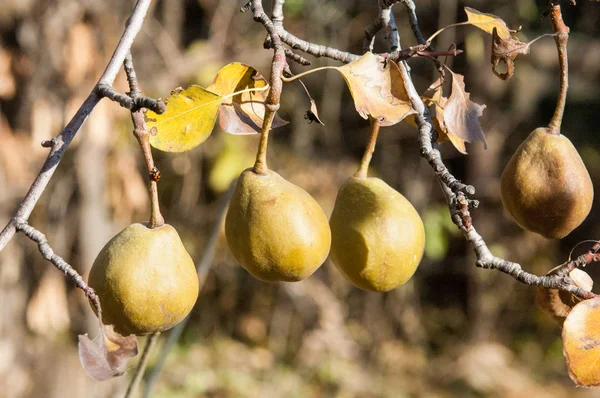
x,y
145,279
545,186
274,229
378,237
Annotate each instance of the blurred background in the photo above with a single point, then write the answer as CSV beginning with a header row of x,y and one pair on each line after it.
x,y
453,330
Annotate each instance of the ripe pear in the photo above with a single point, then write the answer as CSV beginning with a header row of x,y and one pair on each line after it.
x,y
378,238
145,279
545,185
274,229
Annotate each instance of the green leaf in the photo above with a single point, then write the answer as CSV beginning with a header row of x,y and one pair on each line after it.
x,y
188,121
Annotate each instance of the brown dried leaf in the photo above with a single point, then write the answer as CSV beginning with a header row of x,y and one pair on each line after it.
x,y
106,356
506,50
461,115
581,343
312,115
243,113
487,22
433,97
377,89
557,303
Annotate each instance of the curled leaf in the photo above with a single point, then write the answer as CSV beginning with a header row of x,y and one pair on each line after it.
x,y
581,343
506,50
243,113
377,89
312,115
187,122
487,22
106,356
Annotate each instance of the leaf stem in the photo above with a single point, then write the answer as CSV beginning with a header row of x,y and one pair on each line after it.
x,y
446,27
366,159
561,39
140,132
308,72
141,367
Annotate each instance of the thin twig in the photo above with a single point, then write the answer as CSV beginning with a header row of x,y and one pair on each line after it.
x,y
142,364
203,267
414,22
59,144
130,103
48,254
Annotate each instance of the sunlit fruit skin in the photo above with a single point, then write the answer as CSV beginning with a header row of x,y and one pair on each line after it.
x,y
545,186
378,238
274,229
145,279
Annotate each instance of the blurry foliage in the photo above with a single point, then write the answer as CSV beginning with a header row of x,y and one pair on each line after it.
x,y
454,330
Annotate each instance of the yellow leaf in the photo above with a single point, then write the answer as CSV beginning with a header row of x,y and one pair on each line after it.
x,y
187,122
243,113
377,89
581,343
487,22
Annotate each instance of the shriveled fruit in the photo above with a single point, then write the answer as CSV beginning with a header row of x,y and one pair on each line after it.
x,y
545,185
274,229
145,279
378,237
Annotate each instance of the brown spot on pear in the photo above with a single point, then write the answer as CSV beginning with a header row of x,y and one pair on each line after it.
x,y
275,229
378,238
545,186
145,279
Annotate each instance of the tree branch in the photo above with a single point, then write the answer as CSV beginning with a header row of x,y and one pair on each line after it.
x,y
48,254
130,103
384,20
59,144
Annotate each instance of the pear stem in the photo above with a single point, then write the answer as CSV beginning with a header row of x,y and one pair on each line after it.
x,y
561,39
141,133
366,159
271,104
142,364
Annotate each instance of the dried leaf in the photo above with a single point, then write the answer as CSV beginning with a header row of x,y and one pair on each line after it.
x,y
106,356
487,22
243,113
506,50
581,343
557,303
461,115
187,122
377,89
312,115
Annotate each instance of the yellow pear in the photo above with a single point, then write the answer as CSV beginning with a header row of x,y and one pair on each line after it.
x,y
378,237
145,279
545,185
274,229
